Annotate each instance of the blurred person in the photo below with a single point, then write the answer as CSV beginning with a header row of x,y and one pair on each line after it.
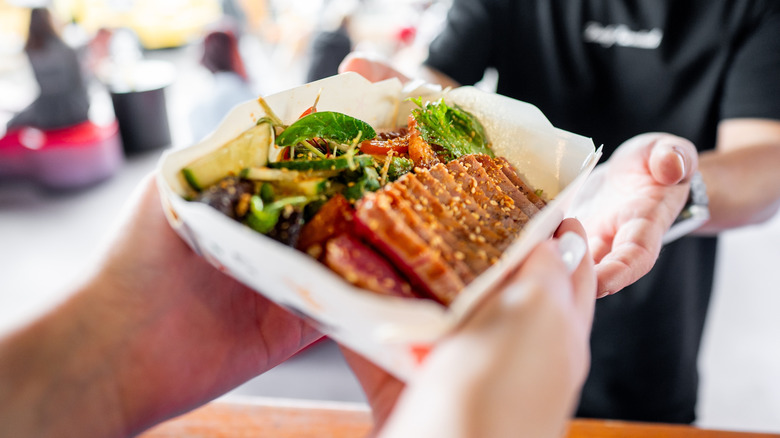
x,y
234,12
230,85
332,43
703,70
155,331
62,100
99,53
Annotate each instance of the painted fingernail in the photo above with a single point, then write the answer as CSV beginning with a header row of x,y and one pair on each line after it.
x,y
572,249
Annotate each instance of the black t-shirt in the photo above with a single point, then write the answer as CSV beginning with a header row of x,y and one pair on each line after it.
x,y
610,70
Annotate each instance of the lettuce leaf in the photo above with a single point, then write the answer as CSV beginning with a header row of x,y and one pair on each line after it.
x,y
454,129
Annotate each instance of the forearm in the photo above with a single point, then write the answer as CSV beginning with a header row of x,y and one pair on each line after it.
x,y
56,377
155,332
743,186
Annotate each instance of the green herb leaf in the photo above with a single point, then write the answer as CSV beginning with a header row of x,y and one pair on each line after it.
x,y
452,128
399,166
329,125
366,181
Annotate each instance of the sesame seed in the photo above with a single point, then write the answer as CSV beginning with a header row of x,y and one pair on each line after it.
x,y
314,251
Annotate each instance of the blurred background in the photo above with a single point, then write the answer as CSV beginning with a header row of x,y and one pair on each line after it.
x,y
162,74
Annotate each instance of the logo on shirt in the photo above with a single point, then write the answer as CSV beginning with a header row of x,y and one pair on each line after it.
x,y
620,35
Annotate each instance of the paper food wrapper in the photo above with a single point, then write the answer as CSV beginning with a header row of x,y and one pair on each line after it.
x,y
393,332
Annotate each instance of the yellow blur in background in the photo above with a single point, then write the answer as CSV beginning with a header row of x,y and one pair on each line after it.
x,y
14,22
157,24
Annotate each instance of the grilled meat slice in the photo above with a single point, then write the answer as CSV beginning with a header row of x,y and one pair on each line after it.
x,y
437,202
363,267
500,202
487,216
511,173
435,230
334,218
385,230
502,181
477,190
469,247
430,231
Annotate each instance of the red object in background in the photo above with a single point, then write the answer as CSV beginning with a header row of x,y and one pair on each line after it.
x,y
66,158
405,36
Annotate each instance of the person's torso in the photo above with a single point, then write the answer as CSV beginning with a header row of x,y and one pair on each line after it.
x,y
57,69
613,69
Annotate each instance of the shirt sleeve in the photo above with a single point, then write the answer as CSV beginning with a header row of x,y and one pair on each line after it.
x,y
752,86
463,49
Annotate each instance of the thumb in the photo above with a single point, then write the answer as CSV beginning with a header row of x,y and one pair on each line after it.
x,y
672,160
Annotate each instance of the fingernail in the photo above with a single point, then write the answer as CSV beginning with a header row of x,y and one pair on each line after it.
x,y
681,158
572,249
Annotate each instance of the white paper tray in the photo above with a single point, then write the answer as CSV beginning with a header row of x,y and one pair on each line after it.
x,y
390,331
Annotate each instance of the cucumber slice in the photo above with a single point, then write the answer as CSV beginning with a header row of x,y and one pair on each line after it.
x,y
249,149
307,187
268,174
340,163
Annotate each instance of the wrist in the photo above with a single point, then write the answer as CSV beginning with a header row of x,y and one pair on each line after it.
x,y
694,213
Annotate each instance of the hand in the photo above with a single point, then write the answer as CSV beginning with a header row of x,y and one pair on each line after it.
x,y
154,332
514,368
200,332
375,70
370,67
630,201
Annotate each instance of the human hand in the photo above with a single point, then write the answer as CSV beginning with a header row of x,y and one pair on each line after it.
x,y
375,69
190,332
630,201
370,67
515,367
153,332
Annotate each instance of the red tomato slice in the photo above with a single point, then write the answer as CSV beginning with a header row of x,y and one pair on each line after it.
x,y
398,145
